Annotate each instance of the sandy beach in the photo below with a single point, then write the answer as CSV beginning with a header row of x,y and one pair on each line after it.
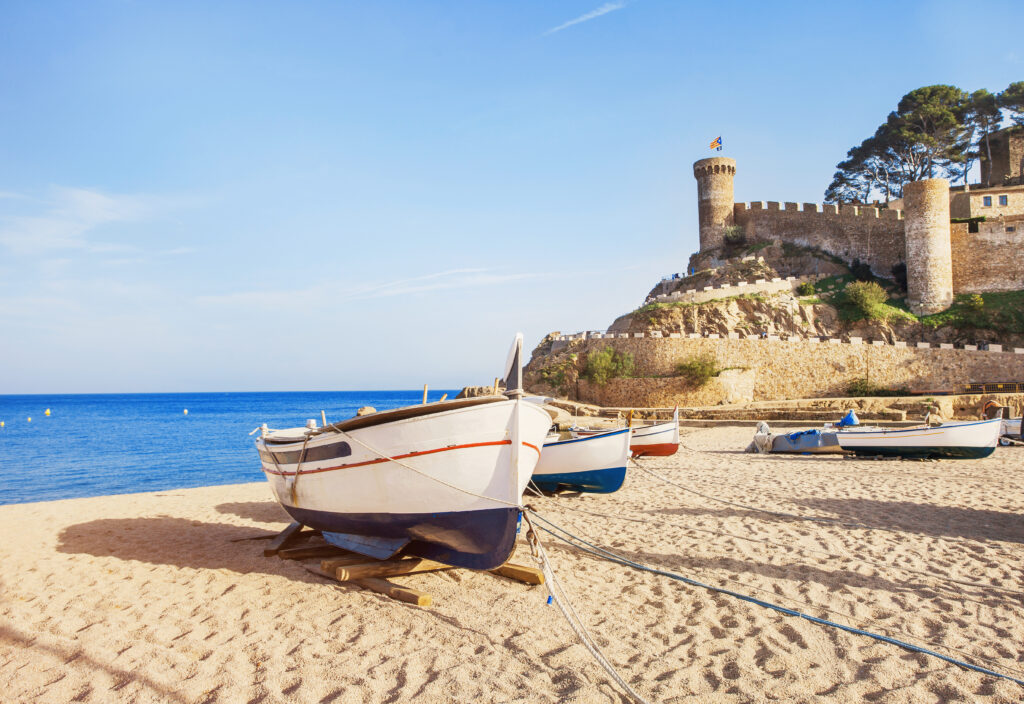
x,y
146,597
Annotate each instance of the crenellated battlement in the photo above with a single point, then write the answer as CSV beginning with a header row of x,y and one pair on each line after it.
x,y
708,169
827,209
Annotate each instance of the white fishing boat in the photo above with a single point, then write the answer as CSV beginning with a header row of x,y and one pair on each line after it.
x,y
443,480
971,440
592,463
657,440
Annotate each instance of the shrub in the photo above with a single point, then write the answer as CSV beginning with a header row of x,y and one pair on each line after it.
x,y
867,297
806,289
974,303
735,236
699,369
861,271
558,375
864,387
608,363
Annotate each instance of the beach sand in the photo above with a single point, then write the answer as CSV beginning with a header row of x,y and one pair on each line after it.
x,y
145,597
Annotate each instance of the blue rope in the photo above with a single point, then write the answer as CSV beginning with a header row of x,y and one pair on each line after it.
x,y
613,557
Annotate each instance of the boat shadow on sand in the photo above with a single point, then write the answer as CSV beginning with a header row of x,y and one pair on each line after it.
x,y
261,511
900,516
179,542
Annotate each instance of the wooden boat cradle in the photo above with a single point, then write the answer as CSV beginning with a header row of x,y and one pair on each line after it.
x,y
368,573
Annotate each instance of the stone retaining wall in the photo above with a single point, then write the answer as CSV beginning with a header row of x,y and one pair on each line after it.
x,y
770,369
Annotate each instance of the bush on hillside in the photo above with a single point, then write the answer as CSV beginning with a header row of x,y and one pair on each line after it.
x,y
735,236
867,297
861,271
608,363
806,289
864,387
698,369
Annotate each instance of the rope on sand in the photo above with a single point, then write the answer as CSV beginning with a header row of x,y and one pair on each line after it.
x,y
561,599
798,548
602,553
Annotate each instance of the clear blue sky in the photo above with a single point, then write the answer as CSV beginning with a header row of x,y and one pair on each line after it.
x,y
327,195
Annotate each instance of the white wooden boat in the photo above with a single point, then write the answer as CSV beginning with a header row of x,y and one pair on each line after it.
x,y
658,440
592,463
442,480
1011,428
949,440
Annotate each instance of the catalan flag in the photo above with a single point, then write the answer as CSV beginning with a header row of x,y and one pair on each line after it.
x,y
717,144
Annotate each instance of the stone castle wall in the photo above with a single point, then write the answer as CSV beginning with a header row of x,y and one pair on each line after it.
x,y
878,237
991,259
874,236
777,369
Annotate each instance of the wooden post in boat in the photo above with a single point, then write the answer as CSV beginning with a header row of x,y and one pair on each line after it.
x,y
424,394
443,397
495,390
323,418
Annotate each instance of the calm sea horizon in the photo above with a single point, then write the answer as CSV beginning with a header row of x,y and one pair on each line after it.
x,y
100,444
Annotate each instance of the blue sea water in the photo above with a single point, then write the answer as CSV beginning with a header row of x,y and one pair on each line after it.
x,y
98,444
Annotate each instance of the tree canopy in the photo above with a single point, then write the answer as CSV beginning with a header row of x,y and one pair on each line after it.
x,y
934,131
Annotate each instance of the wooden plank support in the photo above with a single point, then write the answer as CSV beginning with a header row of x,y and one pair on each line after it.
x,y
331,564
520,573
387,568
383,586
282,539
306,551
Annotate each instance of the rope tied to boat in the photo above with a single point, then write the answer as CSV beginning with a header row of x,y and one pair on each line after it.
x,y
561,599
608,555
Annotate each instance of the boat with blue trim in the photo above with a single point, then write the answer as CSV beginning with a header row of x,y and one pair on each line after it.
x,y
970,440
443,481
592,463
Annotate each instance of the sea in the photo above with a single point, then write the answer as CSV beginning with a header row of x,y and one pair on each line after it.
x,y
100,444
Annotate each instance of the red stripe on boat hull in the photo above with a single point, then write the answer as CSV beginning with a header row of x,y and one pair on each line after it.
x,y
663,449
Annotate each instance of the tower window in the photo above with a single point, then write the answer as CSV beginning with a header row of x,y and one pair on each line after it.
x,y
1011,228
1004,200
986,201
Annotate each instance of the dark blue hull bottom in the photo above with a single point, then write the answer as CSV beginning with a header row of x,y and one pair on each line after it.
x,y
478,540
599,481
949,453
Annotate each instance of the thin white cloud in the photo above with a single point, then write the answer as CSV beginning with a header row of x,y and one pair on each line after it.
x,y
67,216
328,294
593,14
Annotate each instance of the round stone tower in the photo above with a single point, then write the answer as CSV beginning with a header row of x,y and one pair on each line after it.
x,y
929,255
714,198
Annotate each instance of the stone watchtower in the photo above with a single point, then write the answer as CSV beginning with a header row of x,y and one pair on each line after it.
x,y
929,253
714,198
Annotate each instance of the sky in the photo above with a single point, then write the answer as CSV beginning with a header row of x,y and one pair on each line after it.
x,y
276,196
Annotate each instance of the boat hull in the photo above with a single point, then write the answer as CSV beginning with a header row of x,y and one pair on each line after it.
x,y
478,540
593,463
949,441
448,483
923,452
661,440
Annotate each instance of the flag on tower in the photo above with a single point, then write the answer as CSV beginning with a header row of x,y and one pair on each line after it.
x,y
717,144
